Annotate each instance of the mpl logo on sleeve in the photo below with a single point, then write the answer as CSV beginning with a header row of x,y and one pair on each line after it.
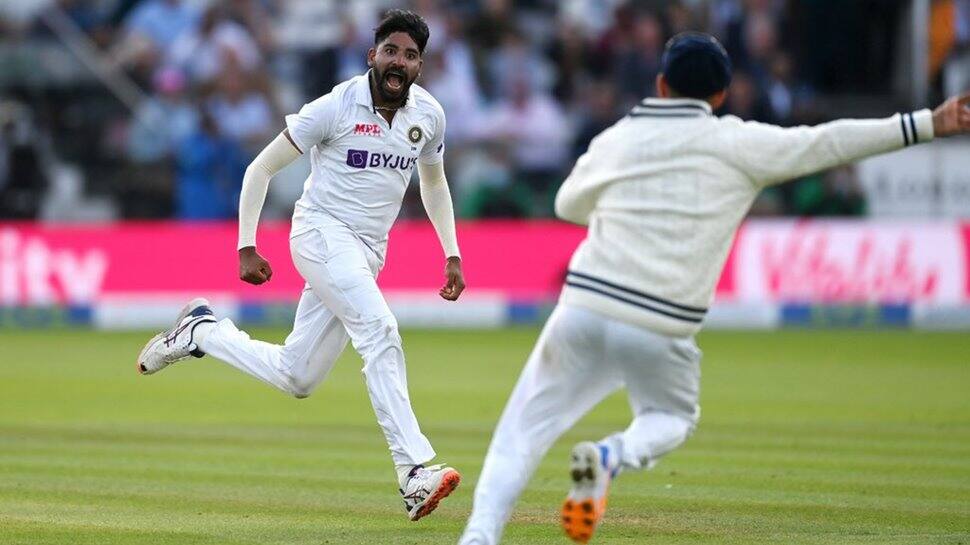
x,y
367,129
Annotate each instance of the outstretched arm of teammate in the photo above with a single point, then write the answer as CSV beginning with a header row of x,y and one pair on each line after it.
x,y
437,203
771,154
274,157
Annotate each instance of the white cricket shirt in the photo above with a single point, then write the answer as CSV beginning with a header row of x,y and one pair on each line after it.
x,y
664,190
360,165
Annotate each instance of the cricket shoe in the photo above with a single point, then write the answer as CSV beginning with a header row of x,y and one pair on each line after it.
x,y
585,505
426,486
177,343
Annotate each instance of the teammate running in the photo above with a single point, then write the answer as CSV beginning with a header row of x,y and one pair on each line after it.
x,y
364,138
663,192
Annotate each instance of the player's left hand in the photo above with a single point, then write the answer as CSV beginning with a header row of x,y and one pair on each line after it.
x,y
456,281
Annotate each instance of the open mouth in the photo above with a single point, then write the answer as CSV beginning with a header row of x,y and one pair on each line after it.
x,y
394,81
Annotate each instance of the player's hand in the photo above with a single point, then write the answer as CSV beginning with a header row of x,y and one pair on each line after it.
x,y
456,281
952,117
252,267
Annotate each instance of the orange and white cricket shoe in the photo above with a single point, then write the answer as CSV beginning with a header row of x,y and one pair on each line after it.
x,y
426,486
585,505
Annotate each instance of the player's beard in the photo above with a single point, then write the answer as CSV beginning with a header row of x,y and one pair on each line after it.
x,y
387,94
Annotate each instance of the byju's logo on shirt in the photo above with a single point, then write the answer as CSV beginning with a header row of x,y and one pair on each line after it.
x,y
359,158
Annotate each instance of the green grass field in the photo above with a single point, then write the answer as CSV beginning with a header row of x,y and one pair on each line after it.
x,y
806,437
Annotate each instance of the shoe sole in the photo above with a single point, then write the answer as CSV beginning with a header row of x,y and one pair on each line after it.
x,y
448,485
193,304
581,516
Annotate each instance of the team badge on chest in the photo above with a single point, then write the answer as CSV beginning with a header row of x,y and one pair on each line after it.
x,y
415,134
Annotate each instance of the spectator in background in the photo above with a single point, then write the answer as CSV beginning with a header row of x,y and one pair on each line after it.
x,y
309,32
680,18
598,112
451,79
257,18
162,121
515,62
210,172
486,31
487,26
241,111
637,61
569,52
781,90
537,134
745,100
350,52
761,41
956,78
23,179
200,52
151,29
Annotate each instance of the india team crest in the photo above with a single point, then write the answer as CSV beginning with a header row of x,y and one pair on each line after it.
x,y
415,134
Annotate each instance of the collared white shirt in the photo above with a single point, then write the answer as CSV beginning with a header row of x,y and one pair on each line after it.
x,y
664,190
360,165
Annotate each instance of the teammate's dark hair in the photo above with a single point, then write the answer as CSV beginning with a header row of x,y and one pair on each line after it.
x,y
399,20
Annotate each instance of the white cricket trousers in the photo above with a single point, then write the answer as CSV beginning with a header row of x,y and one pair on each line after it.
x,y
340,302
581,357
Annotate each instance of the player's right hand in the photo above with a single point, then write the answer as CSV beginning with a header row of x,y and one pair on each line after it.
x,y
952,117
252,267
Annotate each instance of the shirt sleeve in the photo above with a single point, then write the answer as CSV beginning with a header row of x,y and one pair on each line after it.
x,y
433,151
771,154
577,195
314,124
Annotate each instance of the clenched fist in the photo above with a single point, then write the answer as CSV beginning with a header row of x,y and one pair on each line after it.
x,y
252,267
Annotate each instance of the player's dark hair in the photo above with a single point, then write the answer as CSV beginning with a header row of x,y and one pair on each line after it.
x,y
696,65
399,20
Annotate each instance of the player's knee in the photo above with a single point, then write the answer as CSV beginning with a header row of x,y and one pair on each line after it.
x,y
381,334
294,384
300,389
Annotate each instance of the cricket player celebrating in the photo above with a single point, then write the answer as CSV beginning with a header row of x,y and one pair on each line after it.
x,y
364,139
663,192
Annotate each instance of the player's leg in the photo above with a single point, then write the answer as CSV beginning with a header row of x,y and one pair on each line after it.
x,y
299,364
662,377
342,272
564,378
664,392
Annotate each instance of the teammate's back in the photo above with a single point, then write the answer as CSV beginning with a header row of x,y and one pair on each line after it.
x,y
664,190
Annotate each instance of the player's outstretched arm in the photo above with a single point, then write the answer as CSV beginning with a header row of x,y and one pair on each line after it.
x,y
437,203
771,154
253,268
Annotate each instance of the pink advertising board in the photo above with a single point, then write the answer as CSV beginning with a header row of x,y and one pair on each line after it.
x,y
852,262
772,261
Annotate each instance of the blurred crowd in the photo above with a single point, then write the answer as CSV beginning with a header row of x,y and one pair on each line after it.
x,y
154,108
